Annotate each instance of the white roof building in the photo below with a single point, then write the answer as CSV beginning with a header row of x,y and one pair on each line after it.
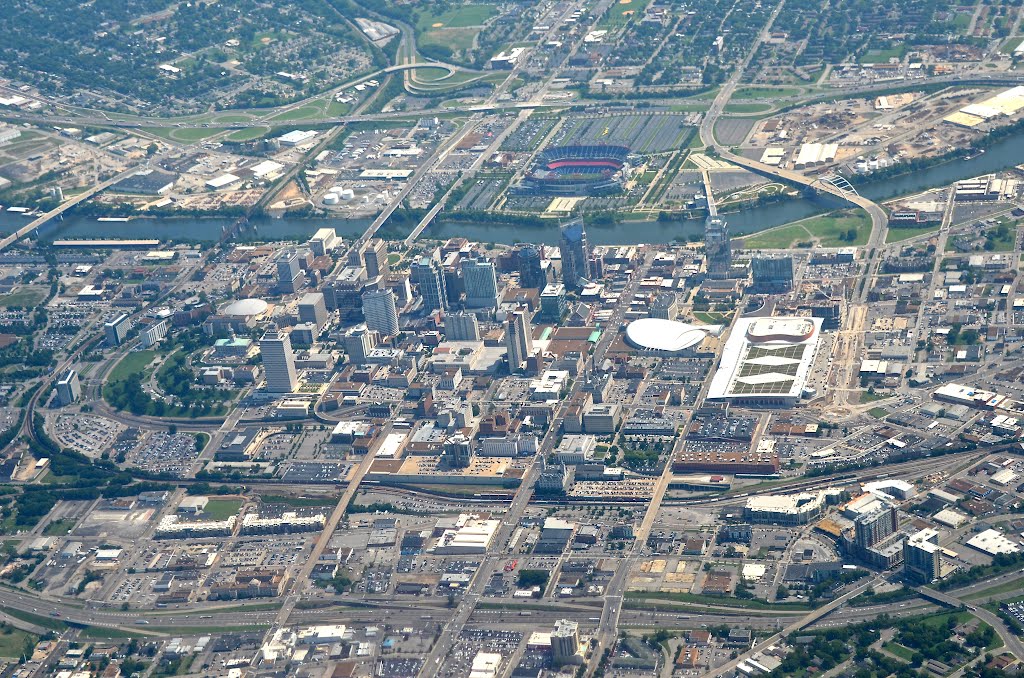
x,y
993,543
666,336
766,361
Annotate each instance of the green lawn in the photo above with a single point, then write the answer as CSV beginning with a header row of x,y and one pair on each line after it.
x,y
15,642
1006,243
191,135
1006,587
458,17
747,108
878,412
430,74
882,56
828,228
764,92
136,361
336,109
898,650
248,134
1010,45
900,234
58,528
302,113
869,397
710,317
621,12
25,297
722,601
222,509
458,39
232,117
778,238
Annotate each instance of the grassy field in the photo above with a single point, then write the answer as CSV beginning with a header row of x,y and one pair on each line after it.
x,y
900,234
248,134
1005,587
1011,44
135,361
458,39
58,528
764,92
882,56
747,108
26,297
723,601
829,227
232,117
710,317
898,650
621,11
878,412
302,113
222,509
777,238
13,642
457,17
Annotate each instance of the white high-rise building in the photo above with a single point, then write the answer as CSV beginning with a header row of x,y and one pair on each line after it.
x,y
518,339
69,389
380,311
153,334
278,362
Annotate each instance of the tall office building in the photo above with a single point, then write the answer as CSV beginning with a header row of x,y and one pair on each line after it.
x,y
518,339
313,309
116,330
375,258
69,390
772,274
289,270
278,362
153,334
323,241
380,311
922,557
565,642
357,344
481,283
461,326
552,302
875,525
717,248
575,254
531,268
426,272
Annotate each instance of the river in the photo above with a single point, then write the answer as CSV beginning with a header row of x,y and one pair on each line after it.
x,y
1002,155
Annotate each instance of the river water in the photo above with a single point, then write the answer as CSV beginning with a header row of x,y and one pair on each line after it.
x,y
1002,155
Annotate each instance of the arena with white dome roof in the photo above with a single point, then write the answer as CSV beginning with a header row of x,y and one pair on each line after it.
x,y
245,308
666,336
766,361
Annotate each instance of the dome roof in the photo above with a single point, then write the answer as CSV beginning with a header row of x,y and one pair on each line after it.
x,y
657,334
244,308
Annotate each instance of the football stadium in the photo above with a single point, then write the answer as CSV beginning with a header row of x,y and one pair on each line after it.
x,y
577,171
